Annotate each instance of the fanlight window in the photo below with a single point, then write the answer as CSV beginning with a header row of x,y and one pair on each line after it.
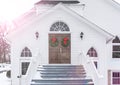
x,y
59,26
26,52
92,52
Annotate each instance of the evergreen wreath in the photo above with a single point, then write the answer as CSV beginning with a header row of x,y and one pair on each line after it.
x,y
65,42
54,42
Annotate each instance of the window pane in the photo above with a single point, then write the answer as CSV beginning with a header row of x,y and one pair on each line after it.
x,y
96,65
116,54
116,78
26,49
119,80
92,52
116,48
30,55
25,67
115,74
115,81
22,54
26,53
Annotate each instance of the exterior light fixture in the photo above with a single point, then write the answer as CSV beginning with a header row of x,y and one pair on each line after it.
x,y
81,35
37,35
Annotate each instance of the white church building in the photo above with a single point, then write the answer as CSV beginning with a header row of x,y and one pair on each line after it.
x,y
67,42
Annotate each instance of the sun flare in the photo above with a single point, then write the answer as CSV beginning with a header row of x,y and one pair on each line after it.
x,y
10,9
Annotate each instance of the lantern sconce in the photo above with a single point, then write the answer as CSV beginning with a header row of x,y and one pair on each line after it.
x,y
81,35
37,35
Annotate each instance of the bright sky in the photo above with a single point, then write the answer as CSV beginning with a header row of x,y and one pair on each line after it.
x,y
117,1
10,9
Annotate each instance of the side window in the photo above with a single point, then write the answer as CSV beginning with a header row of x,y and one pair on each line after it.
x,y
116,48
115,78
26,53
93,56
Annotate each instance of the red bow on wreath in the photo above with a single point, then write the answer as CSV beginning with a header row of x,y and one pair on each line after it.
x,y
54,40
65,40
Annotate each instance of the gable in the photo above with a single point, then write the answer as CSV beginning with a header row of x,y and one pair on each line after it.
x,y
59,12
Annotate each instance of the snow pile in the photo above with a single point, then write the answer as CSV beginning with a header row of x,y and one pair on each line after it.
x,y
5,67
4,80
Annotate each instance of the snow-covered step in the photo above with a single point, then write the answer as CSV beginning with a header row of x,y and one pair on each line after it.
x,y
61,75
64,67
60,69
63,80
62,84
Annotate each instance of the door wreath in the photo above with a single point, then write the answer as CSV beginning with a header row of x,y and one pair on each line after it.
x,y
65,42
54,42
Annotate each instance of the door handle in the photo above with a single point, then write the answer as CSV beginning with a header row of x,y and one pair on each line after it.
x,y
60,50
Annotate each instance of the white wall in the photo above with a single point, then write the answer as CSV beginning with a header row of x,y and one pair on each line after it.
x,y
26,37
104,13
98,11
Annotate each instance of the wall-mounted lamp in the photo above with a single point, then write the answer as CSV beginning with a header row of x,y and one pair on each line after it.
x,y
37,35
81,35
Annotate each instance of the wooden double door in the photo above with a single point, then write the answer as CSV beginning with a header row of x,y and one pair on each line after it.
x,y
59,49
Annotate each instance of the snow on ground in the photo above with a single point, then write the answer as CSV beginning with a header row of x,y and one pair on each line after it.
x,y
4,80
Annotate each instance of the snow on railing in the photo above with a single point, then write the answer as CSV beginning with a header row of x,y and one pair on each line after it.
x,y
91,69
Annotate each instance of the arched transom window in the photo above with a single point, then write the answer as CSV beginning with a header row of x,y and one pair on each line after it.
x,y
59,26
26,52
92,52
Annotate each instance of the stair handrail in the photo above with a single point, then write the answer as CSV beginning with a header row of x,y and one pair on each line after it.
x,y
91,69
32,69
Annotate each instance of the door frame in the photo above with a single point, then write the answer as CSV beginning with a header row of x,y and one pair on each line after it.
x,y
49,45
